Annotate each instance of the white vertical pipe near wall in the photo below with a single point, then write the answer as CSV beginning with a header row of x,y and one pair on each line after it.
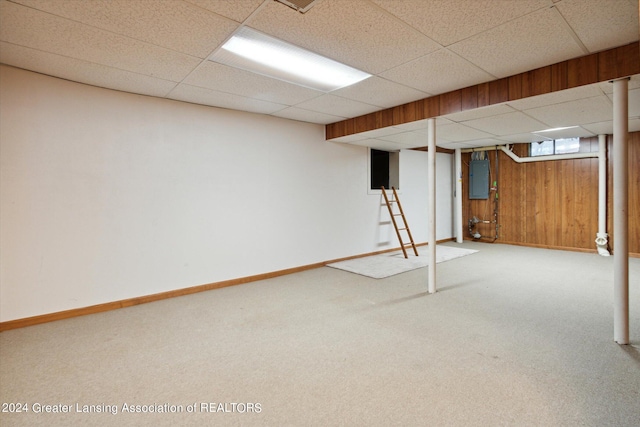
x,y
601,236
620,212
458,198
431,233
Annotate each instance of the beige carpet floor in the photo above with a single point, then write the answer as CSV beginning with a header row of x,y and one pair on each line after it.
x,y
514,336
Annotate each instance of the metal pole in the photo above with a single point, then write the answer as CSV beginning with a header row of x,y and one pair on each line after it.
x,y
601,235
620,212
431,171
458,216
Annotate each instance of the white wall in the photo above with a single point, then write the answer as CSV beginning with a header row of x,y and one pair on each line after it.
x,y
107,195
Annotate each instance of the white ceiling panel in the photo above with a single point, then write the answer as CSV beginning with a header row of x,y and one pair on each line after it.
x,y
601,128
176,25
480,113
524,137
31,28
299,114
331,104
633,100
223,100
238,10
579,112
413,139
559,97
82,71
457,132
585,17
538,39
507,124
571,132
380,92
607,87
362,35
441,20
413,48
212,75
372,134
438,72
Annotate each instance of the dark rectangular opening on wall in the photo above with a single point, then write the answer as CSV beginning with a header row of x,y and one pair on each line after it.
x,y
379,169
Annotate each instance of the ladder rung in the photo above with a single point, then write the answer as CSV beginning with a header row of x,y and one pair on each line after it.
x,y
402,228
397,214
408,244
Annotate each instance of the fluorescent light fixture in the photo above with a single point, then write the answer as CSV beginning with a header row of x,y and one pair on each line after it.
x,y
555,129
259,53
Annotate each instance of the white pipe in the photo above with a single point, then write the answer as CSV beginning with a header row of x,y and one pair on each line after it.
x,y
602,238
458,210
620,212
546,158
487,148
431,174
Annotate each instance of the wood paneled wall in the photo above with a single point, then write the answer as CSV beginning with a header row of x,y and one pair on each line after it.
x,y
552,203
597,67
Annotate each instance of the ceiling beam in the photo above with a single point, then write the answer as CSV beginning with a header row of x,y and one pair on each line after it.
x,y
622,61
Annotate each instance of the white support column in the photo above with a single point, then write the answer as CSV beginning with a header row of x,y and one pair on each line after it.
x,y
431,170
620,212
458,199
602,238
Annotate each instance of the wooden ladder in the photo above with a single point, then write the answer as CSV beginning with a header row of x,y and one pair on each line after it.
x,y
395,224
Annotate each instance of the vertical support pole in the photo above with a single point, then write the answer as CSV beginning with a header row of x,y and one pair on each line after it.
x,y
458,199
431,171
620,211
602,184
602,236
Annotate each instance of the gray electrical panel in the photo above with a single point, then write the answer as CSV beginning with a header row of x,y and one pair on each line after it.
x,y
479,179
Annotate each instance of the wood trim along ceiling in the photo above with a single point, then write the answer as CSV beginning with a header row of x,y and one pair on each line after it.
x,y
598,67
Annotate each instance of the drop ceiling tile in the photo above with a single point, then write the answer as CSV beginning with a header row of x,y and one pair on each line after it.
x,y
438,72
380,92
378,144
523,44
579,112
335,105
414,139
601,128
559,97
441,20
571,132
524,137
592,22
633,101
634,125
479,113
176,25
507,124
82,71
222,78
634,83
214,98
302,115
355,32
421,125
238,10
42,31
371,134
453,145
457,132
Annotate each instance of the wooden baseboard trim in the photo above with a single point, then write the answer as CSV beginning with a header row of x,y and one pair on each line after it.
x,y
114,305
558,248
